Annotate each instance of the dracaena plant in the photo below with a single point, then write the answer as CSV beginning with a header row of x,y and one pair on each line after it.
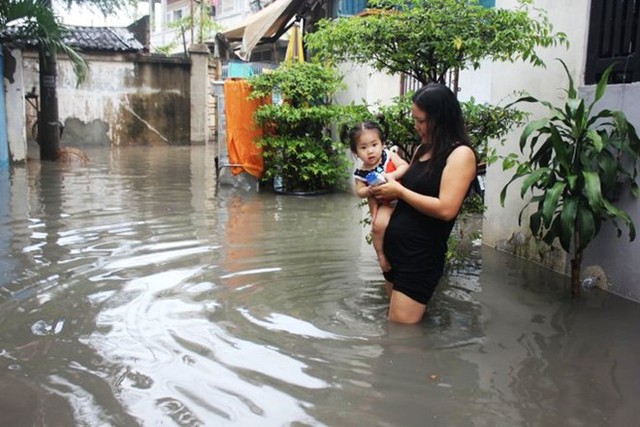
x,y
574,161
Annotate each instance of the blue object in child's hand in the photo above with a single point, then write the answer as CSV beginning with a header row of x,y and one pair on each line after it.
x,y
375,178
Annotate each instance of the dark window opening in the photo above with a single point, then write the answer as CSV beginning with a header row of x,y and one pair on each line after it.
x,y
613,39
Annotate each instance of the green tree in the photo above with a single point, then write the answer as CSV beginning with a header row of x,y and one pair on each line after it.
x,y
33,20
428,38
202,20
297,146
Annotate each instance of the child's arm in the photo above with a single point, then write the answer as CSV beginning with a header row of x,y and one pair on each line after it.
x,y
401,167
362,190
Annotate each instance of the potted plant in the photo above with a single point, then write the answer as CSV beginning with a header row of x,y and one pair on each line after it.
x,y
575,159
299,153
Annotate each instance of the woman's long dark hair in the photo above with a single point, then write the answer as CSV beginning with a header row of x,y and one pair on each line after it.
x,y
445,121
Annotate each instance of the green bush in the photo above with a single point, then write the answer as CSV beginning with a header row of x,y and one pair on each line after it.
x,y
297,145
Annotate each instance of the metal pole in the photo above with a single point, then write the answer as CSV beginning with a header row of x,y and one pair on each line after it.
x,y
191,18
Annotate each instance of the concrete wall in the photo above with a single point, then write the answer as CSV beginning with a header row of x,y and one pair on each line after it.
x,y
15,106
618,257
142,100
365,85
199,126
126,100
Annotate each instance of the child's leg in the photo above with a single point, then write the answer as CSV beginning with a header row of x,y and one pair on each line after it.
x,y
378,227
373,207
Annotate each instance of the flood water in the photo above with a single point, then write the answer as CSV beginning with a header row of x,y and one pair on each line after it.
x,y
134,291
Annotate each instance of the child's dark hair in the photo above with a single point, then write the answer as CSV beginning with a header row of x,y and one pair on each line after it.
x,y
353,134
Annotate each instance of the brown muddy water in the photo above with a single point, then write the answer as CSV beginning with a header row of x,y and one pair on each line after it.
x,y
134,292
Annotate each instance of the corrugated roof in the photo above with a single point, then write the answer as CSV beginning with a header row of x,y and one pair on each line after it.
x,y
109,39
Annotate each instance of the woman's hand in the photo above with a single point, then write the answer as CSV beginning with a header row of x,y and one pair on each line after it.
x,y
392,189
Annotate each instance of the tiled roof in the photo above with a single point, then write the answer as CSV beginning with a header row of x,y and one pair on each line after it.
x,y
117,39
109,39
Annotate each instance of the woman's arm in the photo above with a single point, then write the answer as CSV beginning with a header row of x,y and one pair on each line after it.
x,y
457,175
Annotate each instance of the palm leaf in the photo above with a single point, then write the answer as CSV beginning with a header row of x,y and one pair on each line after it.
x,y
568,221
616,212
36,22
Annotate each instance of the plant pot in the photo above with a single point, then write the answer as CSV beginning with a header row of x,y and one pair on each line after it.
x,y
279,187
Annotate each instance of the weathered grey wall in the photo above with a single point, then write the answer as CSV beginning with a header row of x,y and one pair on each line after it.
x,y
200,94
126,100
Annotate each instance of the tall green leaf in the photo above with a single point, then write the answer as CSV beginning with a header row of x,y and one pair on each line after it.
x,y
592,189
551,202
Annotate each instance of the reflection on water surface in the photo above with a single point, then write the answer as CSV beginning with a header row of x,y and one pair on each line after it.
x,y
133,292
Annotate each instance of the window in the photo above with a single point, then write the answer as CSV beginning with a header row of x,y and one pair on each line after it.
x,y
174,15
613,39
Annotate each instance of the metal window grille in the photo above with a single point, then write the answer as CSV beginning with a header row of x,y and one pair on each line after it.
x,y
410,84
613,39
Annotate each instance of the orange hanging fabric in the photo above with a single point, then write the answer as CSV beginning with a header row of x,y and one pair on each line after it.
x,y
242,132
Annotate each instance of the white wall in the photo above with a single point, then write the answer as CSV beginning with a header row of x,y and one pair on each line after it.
x,y
101,96
365,85
476,83
501,223
15,108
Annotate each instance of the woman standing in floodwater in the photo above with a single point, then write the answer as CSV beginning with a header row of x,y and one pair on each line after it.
x,y
429,200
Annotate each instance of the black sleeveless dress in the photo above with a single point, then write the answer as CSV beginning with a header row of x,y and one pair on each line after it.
x,y
414,243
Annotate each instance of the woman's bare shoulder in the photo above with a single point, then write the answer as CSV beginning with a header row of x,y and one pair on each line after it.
x,y
462,153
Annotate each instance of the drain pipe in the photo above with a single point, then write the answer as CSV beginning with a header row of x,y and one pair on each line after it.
x,y
4,141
